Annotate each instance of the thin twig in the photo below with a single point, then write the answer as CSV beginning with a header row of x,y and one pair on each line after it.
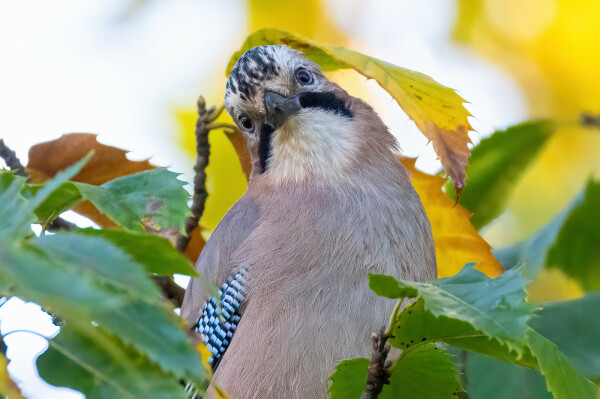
x,y
171,290
11,159
61,224
204,124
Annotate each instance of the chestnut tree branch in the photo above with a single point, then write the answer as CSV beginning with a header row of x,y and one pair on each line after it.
x,y
204,124
11,159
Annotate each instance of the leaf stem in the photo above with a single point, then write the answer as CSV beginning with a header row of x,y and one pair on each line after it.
x,y
393,317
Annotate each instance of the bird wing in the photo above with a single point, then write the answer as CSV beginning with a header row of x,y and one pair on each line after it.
x,y
215,261
221,316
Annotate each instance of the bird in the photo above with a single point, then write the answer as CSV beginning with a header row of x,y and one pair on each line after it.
x,y
327,203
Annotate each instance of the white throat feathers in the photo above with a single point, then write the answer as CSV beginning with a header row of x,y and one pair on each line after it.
x,y
314,144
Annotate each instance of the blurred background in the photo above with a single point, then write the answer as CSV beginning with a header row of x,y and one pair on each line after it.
x,y
131,71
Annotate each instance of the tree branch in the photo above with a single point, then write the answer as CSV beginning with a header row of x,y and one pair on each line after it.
x,y
61,224
204,124
170,289
379,366
11,159
378,374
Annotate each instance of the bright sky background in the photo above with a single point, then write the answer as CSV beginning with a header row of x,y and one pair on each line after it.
x,y
80,66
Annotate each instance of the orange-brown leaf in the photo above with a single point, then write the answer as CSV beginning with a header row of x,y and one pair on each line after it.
x,y
457,242
195,245
87,209
238,141
451,147
47,159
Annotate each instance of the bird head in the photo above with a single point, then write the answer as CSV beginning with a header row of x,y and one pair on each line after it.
x,y
299,125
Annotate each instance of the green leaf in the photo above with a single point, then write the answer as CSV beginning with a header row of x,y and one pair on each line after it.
x,y
16,220
387,286
415,326
51,274
100,366
17,213
105,261
113,206
436,110
155,253
424,371
69,194
349,380
63,198
562,379
32,276
567,242
52,185
487,377
493,379
496,307
574,327
156,196
489,316
496,164
575,250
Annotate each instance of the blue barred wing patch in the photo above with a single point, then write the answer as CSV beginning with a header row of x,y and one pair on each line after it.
x,y
220,318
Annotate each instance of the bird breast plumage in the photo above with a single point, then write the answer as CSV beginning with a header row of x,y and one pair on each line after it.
x,y
308,303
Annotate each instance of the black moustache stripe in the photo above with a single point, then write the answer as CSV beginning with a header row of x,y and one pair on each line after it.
x,y
264,146
324,100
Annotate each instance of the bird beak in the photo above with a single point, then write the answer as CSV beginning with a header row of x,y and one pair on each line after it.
x,y
279,108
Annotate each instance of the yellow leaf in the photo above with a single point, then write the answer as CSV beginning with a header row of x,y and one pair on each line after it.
x,y
307,17
553,285
457,242
206,354
546,46
7,385
436,110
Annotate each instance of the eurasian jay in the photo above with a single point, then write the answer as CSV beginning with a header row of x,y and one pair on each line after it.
x,y
327,203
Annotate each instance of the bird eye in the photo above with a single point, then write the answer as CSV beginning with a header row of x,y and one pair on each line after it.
x,y
303,76
246,122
